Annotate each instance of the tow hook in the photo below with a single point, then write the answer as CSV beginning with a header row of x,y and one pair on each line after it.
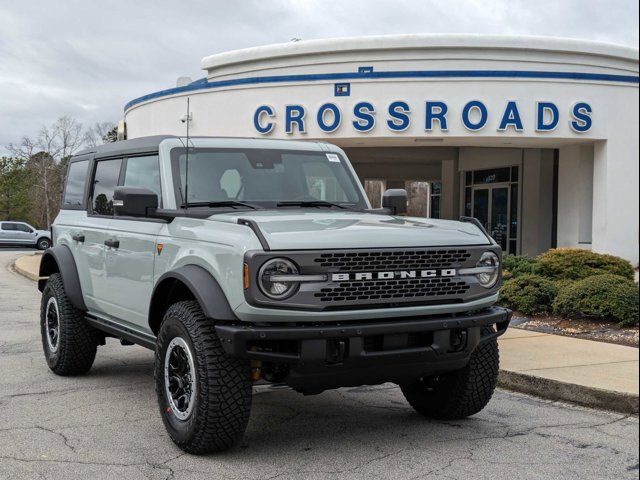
x,y
336,350
458,340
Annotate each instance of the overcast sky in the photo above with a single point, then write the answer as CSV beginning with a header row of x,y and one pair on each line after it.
x,y
87,59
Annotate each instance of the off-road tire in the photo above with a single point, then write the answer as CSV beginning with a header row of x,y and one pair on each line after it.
x,y
77,340
461,393
223,384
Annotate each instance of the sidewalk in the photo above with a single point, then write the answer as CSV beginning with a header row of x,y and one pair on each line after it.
x,y
585,372
593,374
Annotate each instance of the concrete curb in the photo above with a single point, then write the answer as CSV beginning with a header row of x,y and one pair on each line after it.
x,y
19,267
568,392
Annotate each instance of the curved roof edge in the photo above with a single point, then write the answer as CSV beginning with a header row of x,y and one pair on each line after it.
x,y
426,41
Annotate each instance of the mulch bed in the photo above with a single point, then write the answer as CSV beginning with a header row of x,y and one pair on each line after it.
x,y
585,329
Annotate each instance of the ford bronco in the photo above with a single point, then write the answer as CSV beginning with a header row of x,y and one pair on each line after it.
x,y
241,261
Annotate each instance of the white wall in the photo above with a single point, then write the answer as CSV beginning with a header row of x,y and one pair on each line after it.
x,y
229,111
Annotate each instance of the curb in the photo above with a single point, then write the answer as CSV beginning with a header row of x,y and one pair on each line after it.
x,y
585,396
15,266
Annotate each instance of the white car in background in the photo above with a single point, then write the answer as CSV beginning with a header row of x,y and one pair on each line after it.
x,y
21,233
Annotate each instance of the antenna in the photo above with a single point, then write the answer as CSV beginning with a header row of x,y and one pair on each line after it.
x,y
185,198
186,162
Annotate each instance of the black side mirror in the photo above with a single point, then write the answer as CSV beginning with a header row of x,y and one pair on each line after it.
x,y
134,202
395,199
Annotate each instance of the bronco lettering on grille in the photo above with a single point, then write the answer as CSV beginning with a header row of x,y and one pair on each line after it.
x,y
360,276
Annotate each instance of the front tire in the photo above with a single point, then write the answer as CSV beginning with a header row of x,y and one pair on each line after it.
x,y
204,395
68,341
458,394
43,243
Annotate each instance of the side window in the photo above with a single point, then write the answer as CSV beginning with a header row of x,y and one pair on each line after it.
x,y
143,172
9,226
74,187
21,227
104,183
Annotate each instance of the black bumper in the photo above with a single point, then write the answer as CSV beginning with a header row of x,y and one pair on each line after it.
x,y
357,353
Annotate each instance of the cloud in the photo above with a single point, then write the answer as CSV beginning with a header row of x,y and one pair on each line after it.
x,y
87,59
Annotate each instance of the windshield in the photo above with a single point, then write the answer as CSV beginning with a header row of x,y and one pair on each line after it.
x,y
264,178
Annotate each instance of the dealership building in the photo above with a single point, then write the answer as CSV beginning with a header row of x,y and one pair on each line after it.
x,y
536,137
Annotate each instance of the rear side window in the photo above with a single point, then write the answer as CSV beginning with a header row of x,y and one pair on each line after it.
x,y
74,188
9,226
143,172
104,183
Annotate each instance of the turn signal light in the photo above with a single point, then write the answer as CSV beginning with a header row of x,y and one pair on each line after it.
x,y
245,275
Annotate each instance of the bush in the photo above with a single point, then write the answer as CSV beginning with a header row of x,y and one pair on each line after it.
x,y
529,294
518,265
576,264
606,297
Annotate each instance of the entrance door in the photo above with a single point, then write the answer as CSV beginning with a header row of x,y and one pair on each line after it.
x,y
491,207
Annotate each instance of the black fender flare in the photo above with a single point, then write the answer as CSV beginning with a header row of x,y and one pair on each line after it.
x,y
202,285
60,259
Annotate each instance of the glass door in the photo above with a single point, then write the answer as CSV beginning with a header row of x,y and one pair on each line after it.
x,y
491,207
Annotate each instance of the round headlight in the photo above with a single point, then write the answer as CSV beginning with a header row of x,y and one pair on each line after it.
x,y
271,281
490,265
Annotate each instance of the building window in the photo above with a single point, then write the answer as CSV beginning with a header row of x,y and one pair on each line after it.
x,y
434,204
374,190
417,198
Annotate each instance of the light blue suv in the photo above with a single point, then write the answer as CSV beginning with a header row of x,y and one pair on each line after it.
x,y
243,260
23,234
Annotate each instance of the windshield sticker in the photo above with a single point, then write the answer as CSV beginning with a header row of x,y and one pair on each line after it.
x,y
332,157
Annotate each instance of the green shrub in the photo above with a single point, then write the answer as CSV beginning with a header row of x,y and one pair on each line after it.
x,y
529,294
576,264
518,265
606,297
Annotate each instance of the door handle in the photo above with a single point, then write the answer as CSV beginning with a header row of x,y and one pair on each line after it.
x,y
112,243
78,238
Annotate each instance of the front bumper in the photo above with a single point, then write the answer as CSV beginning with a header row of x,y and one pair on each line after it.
x,y
324,356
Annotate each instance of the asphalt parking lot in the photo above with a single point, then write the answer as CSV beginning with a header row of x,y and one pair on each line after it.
x,y
106,425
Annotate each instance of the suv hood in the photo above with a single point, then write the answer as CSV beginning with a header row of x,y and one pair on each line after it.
x,y
329,229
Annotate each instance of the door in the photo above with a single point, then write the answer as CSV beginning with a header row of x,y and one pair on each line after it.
x,y
90,234
129,261
491,207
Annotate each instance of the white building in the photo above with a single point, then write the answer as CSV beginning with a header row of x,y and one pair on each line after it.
x,y
536,137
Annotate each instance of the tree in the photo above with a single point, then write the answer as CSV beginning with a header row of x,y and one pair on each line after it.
x,y
40,162
45,156
15,185
101,133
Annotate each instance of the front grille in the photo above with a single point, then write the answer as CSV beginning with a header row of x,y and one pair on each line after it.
x,y
392,260
386,290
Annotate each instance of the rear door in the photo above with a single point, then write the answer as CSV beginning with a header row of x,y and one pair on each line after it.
x,y
130,262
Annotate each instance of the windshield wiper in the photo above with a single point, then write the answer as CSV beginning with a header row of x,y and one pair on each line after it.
x,y
222,203
312,203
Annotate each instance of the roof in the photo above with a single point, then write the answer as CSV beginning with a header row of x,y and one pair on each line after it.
x,y
136,145
150,144
418,41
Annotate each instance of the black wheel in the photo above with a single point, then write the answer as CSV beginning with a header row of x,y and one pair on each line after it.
x,y
43,243
461,393
69,343
204,395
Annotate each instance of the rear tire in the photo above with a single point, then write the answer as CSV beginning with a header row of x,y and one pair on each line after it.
x,y
458,394
68,341
204,395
